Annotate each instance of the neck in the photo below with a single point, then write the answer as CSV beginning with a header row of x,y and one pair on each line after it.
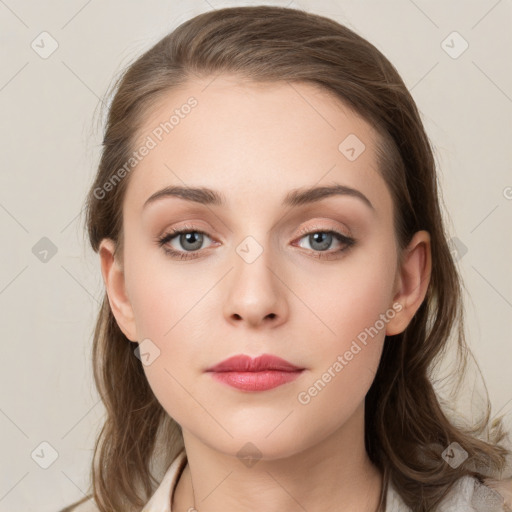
x,y
334,474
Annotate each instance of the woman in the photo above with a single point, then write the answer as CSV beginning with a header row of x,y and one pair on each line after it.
x,y
284,360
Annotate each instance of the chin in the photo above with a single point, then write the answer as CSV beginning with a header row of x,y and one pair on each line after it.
x,y
253,445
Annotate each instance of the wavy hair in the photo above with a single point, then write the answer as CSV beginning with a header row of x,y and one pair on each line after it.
x,y
407,423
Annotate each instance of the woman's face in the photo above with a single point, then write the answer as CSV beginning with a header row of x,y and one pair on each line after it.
x,y
258,281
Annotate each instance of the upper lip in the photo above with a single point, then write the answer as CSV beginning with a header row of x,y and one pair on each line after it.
x,y
244,363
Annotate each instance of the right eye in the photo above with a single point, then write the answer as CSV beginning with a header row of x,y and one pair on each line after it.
x,y
189,238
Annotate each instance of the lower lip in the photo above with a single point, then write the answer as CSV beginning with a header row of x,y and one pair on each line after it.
x,y
256,381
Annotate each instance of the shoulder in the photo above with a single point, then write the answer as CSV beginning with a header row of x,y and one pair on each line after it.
x,y
87,505
467,494
158,500
503,488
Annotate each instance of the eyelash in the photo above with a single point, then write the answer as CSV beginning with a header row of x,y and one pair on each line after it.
x,y
163,240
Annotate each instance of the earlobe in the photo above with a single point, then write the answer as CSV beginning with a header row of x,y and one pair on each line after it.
x,y
412,281
114,280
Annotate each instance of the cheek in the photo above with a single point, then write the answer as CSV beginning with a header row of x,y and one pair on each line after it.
x,y
348,355
168,303
163,295
338,389
346,362
353,298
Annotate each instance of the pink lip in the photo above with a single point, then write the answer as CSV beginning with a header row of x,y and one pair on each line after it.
x,y
264,372
243,363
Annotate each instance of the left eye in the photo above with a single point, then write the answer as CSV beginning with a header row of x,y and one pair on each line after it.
x,y
320,240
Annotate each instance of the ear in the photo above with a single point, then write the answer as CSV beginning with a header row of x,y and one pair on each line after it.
x,y
411,281
113,277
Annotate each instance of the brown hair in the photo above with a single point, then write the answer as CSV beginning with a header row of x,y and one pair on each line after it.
x,y
406,428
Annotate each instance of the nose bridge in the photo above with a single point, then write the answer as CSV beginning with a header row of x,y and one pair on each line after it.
x,y
255,290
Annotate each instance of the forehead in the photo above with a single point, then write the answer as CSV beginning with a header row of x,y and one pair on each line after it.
x,y
254,139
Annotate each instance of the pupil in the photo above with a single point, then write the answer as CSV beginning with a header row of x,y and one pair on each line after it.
x,y
189,238
321,235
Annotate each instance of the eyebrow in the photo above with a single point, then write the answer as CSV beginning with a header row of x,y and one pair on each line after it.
x,y
293,198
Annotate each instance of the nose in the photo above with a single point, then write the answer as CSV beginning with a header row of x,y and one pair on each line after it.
x,y
256,293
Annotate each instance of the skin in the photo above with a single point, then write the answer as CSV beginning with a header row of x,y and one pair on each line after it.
x,y
254,143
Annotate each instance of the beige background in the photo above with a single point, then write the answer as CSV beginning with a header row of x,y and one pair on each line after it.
x,y
50,148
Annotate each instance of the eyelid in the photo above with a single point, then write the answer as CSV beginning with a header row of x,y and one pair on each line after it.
x,y
185,227
315,228
307,230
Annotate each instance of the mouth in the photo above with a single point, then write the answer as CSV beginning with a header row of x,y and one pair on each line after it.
x,y
259,374
244,363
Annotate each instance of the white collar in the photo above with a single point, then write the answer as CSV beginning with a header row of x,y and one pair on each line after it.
x,y
161,499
